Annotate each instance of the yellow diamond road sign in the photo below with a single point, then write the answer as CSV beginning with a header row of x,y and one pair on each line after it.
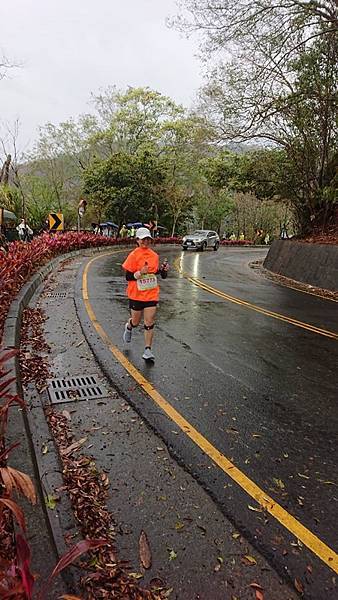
x,y
55,222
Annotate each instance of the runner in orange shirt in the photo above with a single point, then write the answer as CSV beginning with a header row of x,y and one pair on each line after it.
x,y
142,266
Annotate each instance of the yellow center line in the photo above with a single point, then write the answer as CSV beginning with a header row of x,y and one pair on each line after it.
x,y
309,539
208,288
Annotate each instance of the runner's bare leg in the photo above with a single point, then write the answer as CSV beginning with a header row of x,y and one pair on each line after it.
x,y
136,316
149,318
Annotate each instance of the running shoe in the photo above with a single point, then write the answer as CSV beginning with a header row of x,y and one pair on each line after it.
x,y
127,333
147,354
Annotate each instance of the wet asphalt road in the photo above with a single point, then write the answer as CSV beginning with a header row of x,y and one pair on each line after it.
x,y
262,391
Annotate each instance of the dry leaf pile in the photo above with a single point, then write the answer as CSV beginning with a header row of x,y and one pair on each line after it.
x,y
329,236
87,487
33,365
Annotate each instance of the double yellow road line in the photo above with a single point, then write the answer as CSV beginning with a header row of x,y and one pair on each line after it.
x,y
309,539
268,313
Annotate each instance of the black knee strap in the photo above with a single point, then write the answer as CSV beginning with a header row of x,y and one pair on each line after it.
x,y
131,324
149,327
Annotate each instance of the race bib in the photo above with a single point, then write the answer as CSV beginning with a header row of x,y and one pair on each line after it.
x,y
147,282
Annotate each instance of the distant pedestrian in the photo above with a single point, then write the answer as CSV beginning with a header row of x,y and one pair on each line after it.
x,y
24,231
141,267
123,232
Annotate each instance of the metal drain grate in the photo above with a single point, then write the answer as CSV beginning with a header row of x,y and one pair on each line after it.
x,y
70,389
56,295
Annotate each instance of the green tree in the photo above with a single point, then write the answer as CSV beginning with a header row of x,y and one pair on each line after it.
x,y
125,186
131,120
278,83
212,209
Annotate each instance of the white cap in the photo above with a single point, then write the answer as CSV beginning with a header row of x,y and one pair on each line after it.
x,y
143,232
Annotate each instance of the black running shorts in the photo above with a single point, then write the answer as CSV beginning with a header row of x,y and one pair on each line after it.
x,y
140,305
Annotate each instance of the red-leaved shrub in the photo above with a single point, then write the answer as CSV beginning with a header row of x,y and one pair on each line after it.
x,y
236,243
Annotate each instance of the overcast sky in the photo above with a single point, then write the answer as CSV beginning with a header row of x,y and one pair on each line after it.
x,y
70,48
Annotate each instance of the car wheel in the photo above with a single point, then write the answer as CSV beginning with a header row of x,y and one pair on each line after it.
x,y
183,248
203,247
216,246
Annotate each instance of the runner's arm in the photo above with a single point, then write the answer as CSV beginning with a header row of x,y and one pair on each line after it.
x,y
130,276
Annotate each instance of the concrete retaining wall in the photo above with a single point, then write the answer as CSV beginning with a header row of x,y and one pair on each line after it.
x,y
315,264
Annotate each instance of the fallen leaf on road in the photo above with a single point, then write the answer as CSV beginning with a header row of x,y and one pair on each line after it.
x,y
179,526
303,476
156,583
236,535
259,595
256,586
172,555
144,550
66,414
326,482
72,447
251,560
136,575
299,586
279,483
254,509
44,449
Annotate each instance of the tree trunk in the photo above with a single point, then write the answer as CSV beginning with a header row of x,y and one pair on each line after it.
x,y
4,173
174,226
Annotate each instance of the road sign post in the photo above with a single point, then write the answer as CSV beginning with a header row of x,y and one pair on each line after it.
x,y
55,221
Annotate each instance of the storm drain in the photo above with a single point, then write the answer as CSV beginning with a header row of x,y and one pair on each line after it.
x,y
80,387
56,295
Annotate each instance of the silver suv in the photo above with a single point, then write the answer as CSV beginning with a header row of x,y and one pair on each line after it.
x,y
201,240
